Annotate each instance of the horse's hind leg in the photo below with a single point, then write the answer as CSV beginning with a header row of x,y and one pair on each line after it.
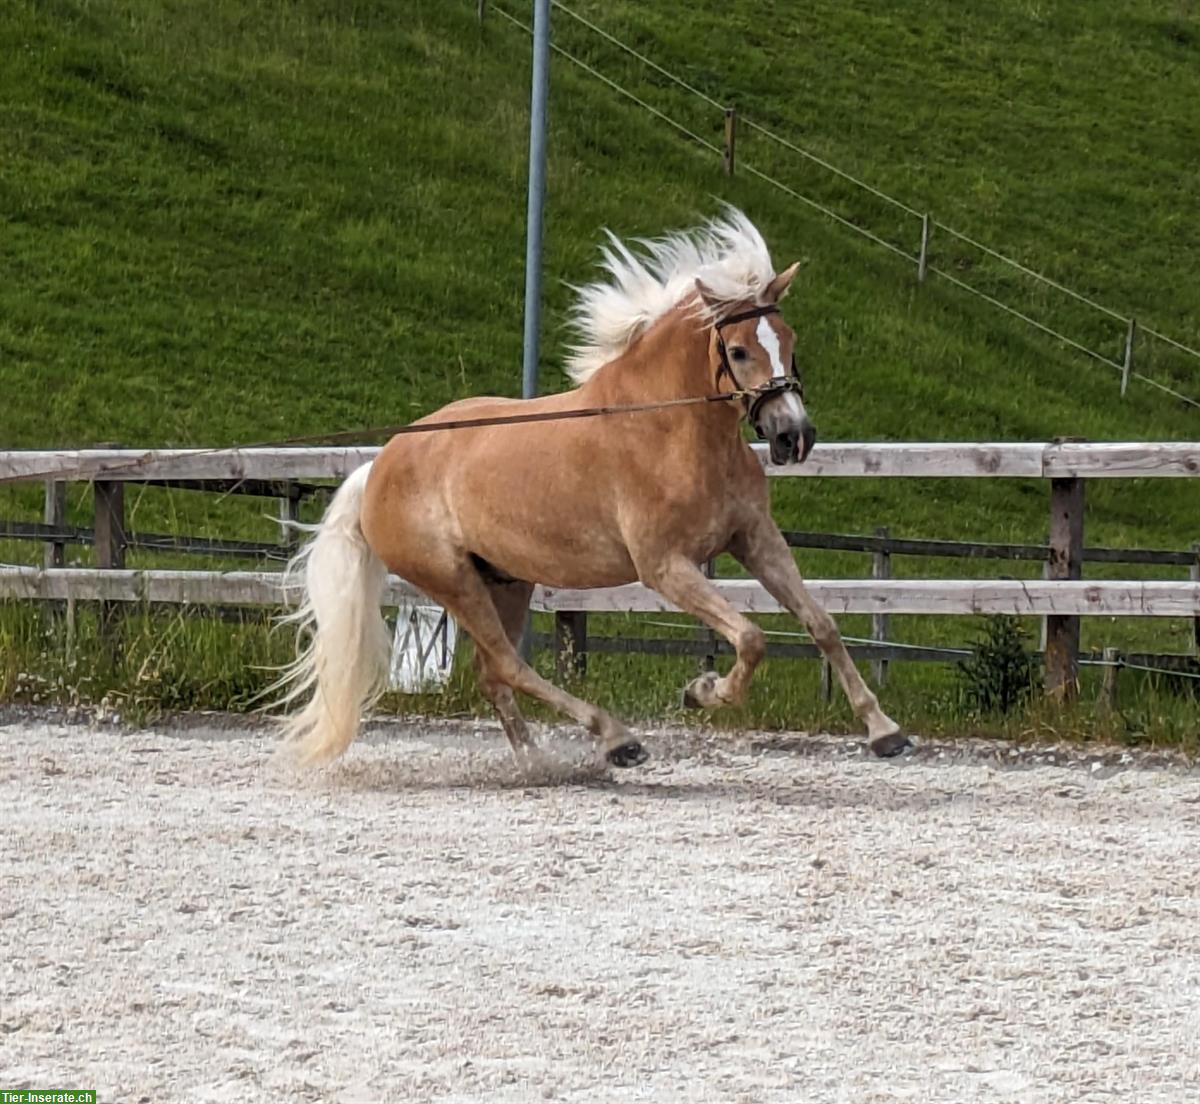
x,y
511,602
464,593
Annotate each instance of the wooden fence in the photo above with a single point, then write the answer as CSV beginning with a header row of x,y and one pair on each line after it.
x,y
1061,598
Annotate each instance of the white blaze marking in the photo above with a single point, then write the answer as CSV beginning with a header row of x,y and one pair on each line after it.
x,y
769,340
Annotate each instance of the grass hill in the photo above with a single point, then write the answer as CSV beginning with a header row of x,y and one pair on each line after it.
x,y
242,221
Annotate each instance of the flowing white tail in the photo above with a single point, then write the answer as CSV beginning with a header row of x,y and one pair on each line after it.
x,y
343,661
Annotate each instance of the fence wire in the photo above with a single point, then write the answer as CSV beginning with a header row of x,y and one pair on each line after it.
x,y
641,57
1163,387
1029,271
1083,661
1025,318
616,87
831,168
878,193
828,211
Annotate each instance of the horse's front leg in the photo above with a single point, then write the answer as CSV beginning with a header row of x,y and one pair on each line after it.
x,y
679,580
762,550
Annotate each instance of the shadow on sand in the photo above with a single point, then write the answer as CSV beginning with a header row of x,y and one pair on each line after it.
x,y
487,767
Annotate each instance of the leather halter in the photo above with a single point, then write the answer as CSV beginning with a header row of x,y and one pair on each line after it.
x,y
755,397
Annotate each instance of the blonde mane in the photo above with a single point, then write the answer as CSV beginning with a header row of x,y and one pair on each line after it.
x,y
727,253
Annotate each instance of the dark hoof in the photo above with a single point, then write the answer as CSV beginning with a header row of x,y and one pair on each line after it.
x,y
886,747
631,754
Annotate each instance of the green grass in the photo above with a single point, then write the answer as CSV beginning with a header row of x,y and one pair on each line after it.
x,y
238,222
163,661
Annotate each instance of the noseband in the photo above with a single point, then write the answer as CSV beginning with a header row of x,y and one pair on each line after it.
x,y
776,385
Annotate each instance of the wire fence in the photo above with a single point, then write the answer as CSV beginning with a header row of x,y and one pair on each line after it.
x,y
950,653
1133,328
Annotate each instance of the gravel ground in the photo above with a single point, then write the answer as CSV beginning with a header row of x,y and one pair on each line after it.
x,y
756,919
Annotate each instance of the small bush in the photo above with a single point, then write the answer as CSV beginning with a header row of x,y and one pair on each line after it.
x,y
1002,673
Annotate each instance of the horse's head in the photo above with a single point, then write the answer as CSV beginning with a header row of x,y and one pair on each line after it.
x,y
752,350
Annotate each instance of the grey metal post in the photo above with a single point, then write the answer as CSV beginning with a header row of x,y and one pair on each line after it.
x,y
537,194
533,222
923,260
1127,365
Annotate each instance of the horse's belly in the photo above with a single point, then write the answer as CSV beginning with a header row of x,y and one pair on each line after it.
x,y
565,557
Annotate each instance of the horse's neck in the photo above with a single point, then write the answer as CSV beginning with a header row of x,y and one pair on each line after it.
x,y
668,361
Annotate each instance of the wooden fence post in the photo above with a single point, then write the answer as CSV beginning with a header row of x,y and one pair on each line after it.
x,y
1194,576
289,511
1066,562
710,660
109,528
826,681
923,261
730,140
570,643
1108,687
54,553
1042,632
881,568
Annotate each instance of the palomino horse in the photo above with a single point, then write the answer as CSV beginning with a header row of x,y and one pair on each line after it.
x,y
474,517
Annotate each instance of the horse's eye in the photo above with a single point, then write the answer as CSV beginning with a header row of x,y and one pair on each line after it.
x,y
737,353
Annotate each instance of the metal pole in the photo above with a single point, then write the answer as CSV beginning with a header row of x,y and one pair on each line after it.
x,y
923,260
1127,366
537,194
533,224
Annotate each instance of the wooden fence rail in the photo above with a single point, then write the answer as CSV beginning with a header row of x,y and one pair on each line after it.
x,y
1019,597
945,460
1061,599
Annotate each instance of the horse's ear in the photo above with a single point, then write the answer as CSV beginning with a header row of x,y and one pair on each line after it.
x,y
709,297
778,287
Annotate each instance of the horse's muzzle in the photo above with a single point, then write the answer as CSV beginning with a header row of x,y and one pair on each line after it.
x,y
793,445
